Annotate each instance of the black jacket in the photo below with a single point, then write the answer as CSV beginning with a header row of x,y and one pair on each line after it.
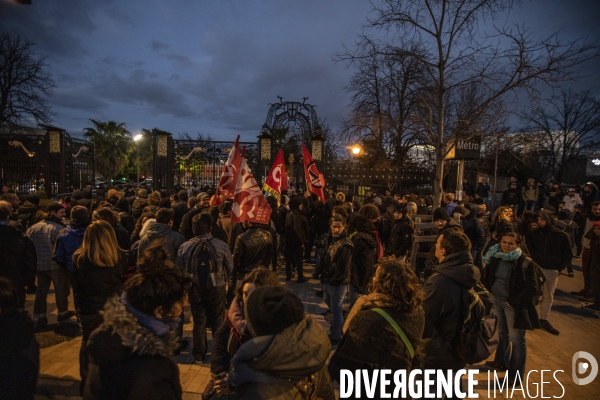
x,y
482,190
400,240
19,357
180,208
473,228
253,248
364,257
185,228
444,310
511,197
296,228
95,285
522,290
128,361
549,247
19,261
337,261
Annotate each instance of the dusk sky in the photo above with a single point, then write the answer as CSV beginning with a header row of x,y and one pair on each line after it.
x,y
212,67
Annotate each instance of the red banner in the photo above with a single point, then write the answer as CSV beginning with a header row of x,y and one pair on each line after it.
x,y
312,175
277,178
249,203
229,177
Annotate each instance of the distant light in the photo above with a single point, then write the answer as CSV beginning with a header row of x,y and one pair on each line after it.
x,y
137,137
356,150
596,161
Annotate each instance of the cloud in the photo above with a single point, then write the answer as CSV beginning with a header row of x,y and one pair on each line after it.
x,y
157,45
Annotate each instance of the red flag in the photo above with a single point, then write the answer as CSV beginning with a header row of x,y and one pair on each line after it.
x,y
229,177
249,204
312,175
277,178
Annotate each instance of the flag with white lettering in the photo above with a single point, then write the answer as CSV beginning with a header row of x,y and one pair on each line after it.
x,y
249,203
229,177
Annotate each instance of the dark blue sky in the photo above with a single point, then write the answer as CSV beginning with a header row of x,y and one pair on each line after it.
x,y
212,66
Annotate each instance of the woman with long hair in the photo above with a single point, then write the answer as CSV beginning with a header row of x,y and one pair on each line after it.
x,y
511,278
501,223
371,342
131,353
98,271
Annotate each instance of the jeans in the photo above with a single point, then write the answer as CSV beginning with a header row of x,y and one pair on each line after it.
x,y
60,278
88,324
319,251
334,298
548,292
509,337
210,308
293,258
355,293
587,278
530,205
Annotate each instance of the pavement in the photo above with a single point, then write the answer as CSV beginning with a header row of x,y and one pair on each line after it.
x,y
579,331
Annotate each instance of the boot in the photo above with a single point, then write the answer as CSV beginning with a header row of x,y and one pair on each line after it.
x,y
548,328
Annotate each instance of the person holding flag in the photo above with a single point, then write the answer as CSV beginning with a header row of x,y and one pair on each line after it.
x,y
276,181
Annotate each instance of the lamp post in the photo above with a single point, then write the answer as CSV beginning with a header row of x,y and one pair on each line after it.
x,y
265,139
317,144
136,139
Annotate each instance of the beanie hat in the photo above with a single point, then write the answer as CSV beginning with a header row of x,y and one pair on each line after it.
x,y
79,215
441,213
271,309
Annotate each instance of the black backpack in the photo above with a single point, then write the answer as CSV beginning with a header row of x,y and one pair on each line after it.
x,y
202,265
477,336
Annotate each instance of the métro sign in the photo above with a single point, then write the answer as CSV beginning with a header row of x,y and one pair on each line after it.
x,y
464,149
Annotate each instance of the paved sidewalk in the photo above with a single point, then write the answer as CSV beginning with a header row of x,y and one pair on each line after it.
x,y
579,331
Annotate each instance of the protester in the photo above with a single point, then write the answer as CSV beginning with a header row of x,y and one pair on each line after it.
x,y
296,237
19,349
123,237
286,356
131,352
530,195
370,342
207,300
449,203
510,276
162,230
593,265
400,241
335,275
550,248
592,216
186,222
571,199
100,265
364,256
512,197
71,238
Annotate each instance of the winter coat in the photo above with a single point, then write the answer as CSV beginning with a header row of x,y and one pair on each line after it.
x,y
570,202
44,235
128,361
19,357
29,214
186,222
19,260
549,247
511,197
482,190
473,228
70,239
364,257
157,231
444,310
371,343
223,260
522,290
337,261
269,367
593,262
400,241
253,248
530,193
226,224
296,229
180,208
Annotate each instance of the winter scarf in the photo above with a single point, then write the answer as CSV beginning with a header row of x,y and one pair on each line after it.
x,y
496,252
236,319
160,327
372,300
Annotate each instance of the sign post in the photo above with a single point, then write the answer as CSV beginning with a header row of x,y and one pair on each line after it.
x,y
463,149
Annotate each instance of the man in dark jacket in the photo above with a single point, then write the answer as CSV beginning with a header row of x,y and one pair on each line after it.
x,y
186,222
252,249
364,256
475,232
180,208
401,235
296,237
550,248
512,197
162,230
71,237
444,291
19,261
337,265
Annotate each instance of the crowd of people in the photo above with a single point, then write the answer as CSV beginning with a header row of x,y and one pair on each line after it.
x,y
134,259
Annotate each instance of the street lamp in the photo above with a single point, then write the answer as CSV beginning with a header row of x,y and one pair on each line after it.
x,y
136,139
356,150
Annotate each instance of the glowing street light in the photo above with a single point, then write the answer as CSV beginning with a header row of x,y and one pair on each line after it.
x,y
356,150
136,139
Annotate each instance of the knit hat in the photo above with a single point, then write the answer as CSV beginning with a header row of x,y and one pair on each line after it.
x,y
79,215
459,210
271,309
441,213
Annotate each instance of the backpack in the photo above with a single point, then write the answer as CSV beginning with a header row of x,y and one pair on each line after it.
x,y
477,336
202,266
538,277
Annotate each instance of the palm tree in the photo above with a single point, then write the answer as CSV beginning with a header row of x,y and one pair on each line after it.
x,y
112,146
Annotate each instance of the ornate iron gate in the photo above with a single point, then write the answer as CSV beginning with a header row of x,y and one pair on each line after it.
x,y
44,159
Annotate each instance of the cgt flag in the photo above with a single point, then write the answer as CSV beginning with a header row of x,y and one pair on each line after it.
x,y
311,174
249,204
229,177
277,178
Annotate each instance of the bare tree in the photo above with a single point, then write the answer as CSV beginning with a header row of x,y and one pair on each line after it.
x,y
445,37
24,83
566,126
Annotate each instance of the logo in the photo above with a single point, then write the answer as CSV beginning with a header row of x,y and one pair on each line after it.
x,y
583,367
315,180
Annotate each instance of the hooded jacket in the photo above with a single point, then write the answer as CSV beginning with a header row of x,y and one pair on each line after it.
x,y
400,240
159,231
128,361
269,367
68,242
364,257
473,228
549,247
444,310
